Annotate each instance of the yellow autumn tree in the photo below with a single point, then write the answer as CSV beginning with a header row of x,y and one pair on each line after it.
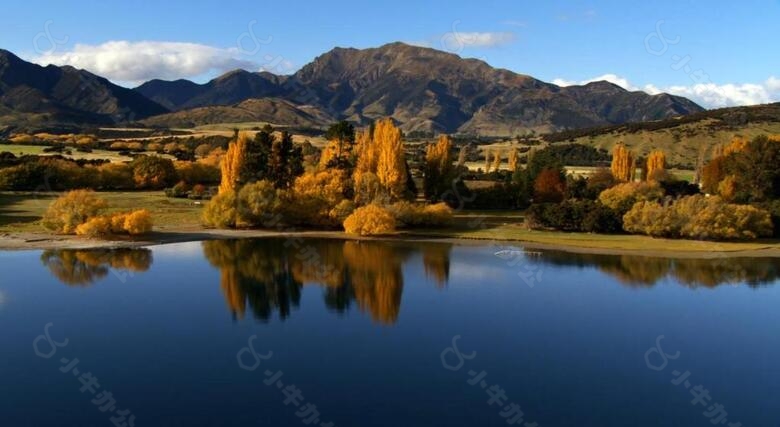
x,y
232,165
514,160
497,159
656,164
384,156
622,163
737,144
438,167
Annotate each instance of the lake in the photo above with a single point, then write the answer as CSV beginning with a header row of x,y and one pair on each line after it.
x,y
297,332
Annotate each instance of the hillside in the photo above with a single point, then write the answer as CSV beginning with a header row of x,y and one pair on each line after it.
x,y
267,110
682,138
31,94
422,89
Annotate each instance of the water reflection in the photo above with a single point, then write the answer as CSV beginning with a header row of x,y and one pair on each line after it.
x,y
640,271
85,267
265,277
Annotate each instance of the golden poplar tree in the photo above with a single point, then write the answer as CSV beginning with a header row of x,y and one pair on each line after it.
x,y
391,164
438,166
514,160
622,163
656,163
496,159
232,165
487,160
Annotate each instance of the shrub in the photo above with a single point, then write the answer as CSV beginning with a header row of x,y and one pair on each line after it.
x,y
197,172
549,186
601,219
95,227
574,215
699,217
137,222
198,192
221,211
622,197
408,214
258,203
179,190
71,210
153,172
342,211
132,223
116,176
370,220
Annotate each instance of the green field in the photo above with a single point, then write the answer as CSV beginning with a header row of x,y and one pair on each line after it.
x,y
21,150
21,211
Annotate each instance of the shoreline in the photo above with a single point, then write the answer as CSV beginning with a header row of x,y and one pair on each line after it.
x,y
35,241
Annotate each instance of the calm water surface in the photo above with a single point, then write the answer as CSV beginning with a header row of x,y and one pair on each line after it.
x,y
362,334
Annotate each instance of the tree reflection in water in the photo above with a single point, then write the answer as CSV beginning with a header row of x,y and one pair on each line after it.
x,y
84,267
269,274
640,271
266,276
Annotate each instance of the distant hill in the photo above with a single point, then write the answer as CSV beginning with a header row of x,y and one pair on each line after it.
x,y
31,94
422,89
267,110
230,88
682,138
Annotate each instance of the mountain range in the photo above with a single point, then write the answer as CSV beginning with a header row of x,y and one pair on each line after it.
x,y
421,88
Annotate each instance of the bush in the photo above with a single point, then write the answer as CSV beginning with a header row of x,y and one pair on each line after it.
x,y
258,203
71,210
199,192
370,220
98,226
132,223
408,214
342,211
574,215
116,176
699,217
221,211
549,186
197,172
179,190
153,172
623,197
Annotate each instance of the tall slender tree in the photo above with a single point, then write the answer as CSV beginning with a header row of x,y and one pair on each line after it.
x,y
656,164
233,165
623,163
438,168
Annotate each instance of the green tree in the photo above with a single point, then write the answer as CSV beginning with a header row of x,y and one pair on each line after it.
x,y
343,135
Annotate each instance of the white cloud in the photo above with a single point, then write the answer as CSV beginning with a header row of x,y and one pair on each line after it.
x,y
135,62
709,95
458,40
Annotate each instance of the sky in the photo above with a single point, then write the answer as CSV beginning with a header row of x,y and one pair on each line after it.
x,y
718,53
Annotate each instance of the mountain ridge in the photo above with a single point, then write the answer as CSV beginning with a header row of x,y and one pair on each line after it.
x,y
430,90
33,92
422,89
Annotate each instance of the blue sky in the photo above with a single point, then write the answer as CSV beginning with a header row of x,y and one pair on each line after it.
x,y
717,52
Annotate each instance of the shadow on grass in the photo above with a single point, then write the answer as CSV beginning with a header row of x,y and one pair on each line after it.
x,y
20,208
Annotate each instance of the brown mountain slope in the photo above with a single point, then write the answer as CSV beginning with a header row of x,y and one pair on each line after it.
x,y
30,92
266,110
426,89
